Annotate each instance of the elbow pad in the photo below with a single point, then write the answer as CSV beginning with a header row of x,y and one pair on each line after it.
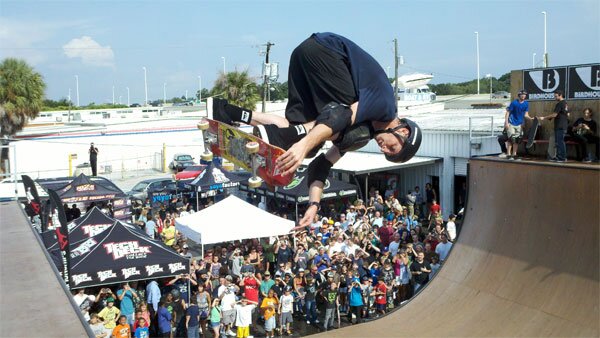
x,y
335,116
354,137
318,170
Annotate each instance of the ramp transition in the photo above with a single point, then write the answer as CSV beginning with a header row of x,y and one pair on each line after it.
x,y
526,262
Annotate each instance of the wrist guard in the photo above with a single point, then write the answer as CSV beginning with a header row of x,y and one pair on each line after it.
x,y
318,170
354,137
335,116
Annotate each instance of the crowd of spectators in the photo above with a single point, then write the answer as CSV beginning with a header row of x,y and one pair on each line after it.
x,y
356,262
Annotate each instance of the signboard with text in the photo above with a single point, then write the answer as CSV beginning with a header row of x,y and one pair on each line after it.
x,y
578,82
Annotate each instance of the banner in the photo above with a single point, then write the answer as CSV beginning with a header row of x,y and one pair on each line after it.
x,y
62,233
584,82
541,84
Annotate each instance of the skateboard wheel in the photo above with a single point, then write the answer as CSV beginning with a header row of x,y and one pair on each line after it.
x,y
254,182
228,166
203,125
206,156
252,147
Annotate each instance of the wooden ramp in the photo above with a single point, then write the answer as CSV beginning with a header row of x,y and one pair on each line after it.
x,y
33,302
526,262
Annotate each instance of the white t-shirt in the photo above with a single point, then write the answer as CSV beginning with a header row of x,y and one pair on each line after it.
x,y
228,300
442,250
393,247
378,222
287,303
336,247
451,228
79,299
243,315
350,249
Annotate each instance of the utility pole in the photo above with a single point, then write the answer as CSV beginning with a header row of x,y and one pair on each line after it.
x,y
266,76
396,72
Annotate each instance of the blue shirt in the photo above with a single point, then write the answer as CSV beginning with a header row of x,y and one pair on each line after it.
x,y
373,88
153,294
193,311
356,296
164,320
126,306
516,112
142,332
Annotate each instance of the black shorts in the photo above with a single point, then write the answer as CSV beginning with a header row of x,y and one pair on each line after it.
x,y
317,76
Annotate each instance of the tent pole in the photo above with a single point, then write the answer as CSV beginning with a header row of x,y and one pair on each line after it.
x,y
366,189
296,211
197,200
202,244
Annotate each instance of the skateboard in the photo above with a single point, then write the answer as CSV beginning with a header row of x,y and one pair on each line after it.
x,y
246,151
532,132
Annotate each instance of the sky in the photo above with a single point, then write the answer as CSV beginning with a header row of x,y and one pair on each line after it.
x,y
107,43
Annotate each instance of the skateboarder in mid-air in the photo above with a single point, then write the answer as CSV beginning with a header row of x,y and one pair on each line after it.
x,y
337,92
513,123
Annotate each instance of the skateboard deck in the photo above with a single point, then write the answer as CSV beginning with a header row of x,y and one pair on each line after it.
x,y
230,143
532,132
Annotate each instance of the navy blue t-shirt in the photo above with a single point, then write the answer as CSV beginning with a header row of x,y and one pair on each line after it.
x,y
375,93
193,311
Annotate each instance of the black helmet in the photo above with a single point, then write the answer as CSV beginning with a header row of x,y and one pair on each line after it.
x,y
411,144
522,92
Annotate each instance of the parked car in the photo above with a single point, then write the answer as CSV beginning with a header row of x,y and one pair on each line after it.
x,y
501,95
181,161
141,189
190,172
135,105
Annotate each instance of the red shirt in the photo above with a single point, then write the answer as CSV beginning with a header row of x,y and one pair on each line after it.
x,y
381,299
251,289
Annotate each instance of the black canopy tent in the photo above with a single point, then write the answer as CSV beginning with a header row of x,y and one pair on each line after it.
x,y
297,191
84,189
213,179
121,254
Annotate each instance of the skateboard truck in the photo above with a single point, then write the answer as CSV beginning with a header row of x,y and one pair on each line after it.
x,y
255,181
206,155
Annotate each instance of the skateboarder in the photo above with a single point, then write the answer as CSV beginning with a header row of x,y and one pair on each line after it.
x,y
561,124
337,92
513,123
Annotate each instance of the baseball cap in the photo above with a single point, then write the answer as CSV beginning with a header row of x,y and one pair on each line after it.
x,y
337,224
229,278
110,299
301,270
267,273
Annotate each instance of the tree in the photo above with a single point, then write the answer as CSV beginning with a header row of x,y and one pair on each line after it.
x,y
21,98
238,88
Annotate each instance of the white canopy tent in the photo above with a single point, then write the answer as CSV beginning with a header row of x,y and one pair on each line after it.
x,y
229,220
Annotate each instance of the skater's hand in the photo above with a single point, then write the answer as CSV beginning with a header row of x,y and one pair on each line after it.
x,y
309,216
292,159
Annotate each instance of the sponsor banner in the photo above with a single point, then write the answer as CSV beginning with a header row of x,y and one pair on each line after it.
x,y
80,278
174,267
584,82
153,269
83,248
88,198
128,250
106,274
541,84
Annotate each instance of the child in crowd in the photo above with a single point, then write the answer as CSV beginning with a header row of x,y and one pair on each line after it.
x,y
331,305
142,330
286,308
269,307
123,330
243,317
215,317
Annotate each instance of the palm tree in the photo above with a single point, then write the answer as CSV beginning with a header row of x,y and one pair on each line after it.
x,y
21,98
238,88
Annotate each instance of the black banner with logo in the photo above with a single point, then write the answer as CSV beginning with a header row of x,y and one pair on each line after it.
x,y
584,82
541,84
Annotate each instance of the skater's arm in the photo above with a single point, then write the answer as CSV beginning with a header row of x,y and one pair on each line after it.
x,y
316,189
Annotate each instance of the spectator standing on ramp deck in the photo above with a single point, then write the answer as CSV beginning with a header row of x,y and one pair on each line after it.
x,y
93,158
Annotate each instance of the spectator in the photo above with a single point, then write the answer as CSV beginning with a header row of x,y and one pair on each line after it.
x,y
164,320
451,227
142,330
269,307
243,317
331,304
585,132
93,151
123,330
443,248
385,234
150,227
153,295
227,293
110,314
168,233
430,196
192,319
286,309
560,117
215,317
84,302
420,270
356,301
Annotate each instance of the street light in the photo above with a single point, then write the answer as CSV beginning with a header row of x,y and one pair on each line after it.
x,y
77,88
477,39
545,45
127,96
165,93
533,61
145,85
200,89
224,71
113,95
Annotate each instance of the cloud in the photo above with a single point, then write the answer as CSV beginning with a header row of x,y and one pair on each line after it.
x,y
90,52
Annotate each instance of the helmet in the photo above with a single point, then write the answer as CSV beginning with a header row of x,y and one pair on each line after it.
x,y
522,92
411,144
